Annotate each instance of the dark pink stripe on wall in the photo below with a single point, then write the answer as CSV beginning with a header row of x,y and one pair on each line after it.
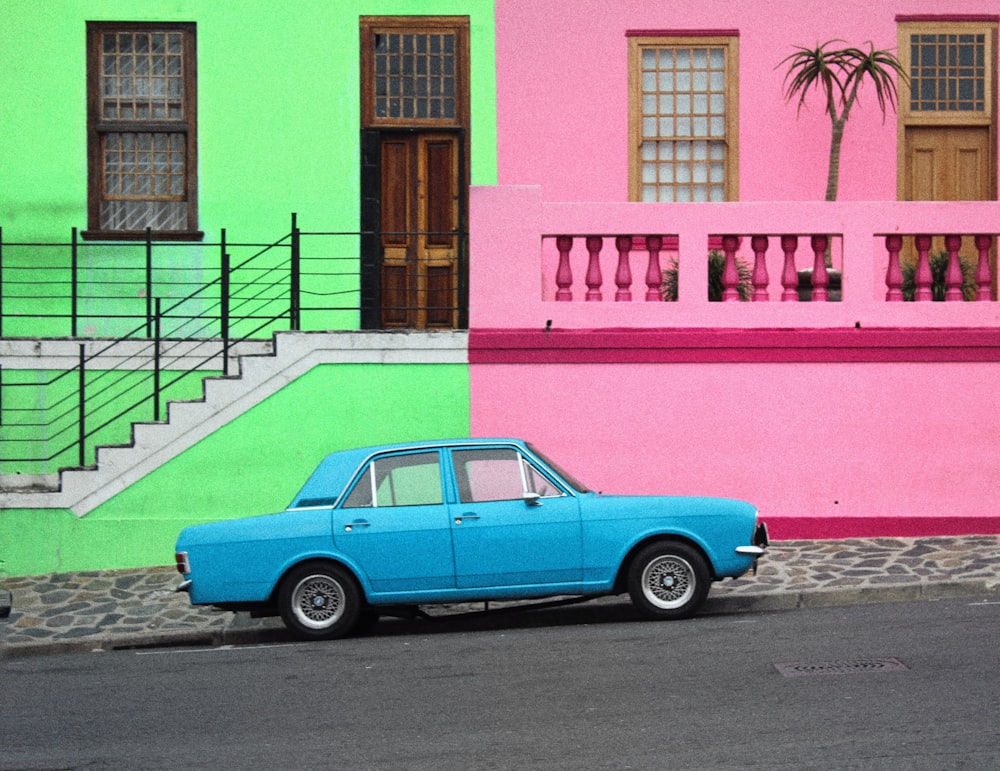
x,y
964,17
682,33
828,528
526,346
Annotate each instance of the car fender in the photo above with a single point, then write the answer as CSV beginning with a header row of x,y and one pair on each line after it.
x,y
322,556
244,560
662,534
617,525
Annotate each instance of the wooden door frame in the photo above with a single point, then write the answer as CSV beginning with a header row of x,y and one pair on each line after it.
x,y
373,127
371,222
907,118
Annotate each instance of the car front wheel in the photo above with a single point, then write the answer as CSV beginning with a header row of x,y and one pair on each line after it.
x,y
320,602
668,580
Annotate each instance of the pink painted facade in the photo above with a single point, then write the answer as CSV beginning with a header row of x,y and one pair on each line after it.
x,y
562,92
862,415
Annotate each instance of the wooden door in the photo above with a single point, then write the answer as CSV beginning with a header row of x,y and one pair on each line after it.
x,y
419,230
947,163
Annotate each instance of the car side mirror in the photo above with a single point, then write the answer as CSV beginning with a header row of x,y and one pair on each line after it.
x,y
532,499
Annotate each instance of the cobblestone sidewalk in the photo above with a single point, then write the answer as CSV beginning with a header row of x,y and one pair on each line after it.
x,y
108,609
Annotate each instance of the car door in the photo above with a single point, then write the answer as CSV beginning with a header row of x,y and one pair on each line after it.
x,y
394,524
513,525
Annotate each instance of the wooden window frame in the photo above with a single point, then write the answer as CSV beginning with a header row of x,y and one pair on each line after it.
x,y
370,26
640,40
906,26
98,128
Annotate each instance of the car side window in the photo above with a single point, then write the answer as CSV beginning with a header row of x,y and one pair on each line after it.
x,y
398,480
537,483
495,474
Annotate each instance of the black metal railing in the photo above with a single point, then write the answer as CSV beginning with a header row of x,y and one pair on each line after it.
x,y
56,418
108,289
152,319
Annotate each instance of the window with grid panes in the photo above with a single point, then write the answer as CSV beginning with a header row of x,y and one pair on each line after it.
x,y
683,104
415,75
951,67
413,70
141,121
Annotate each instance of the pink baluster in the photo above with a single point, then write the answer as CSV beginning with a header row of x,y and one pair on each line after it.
x,y
820,279
984,276
623,277
923,277
953,276
564,275
594,278
760,277
789,276
894,276
730,275
654,275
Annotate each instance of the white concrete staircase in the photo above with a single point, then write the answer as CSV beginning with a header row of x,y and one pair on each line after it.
x,y
188,422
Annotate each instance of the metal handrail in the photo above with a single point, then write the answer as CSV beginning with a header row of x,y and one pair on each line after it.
x,y
102,394
57,420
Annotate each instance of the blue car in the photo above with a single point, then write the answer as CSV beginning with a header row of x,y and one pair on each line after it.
x,y
380,530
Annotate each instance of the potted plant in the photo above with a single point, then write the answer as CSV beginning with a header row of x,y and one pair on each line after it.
x,y
939,269
716,267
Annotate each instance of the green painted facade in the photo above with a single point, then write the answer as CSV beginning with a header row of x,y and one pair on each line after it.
x,y
253,465
278,126
278,132
278,109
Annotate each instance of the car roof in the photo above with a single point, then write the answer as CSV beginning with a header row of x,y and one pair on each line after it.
x,y
336,469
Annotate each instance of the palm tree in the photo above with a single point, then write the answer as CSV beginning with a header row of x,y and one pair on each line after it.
x,y
839,73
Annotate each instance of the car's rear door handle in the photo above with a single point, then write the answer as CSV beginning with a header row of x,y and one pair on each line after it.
x,y
356,523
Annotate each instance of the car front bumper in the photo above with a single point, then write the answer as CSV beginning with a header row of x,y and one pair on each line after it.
x,y
759,542
759,546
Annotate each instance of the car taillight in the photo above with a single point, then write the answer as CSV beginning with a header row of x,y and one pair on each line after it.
x,y
183,566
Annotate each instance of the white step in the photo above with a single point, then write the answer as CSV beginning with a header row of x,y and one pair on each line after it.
x,y
295,353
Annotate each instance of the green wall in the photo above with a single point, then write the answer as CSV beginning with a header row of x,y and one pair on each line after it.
x,y
253,465
278,132
278,109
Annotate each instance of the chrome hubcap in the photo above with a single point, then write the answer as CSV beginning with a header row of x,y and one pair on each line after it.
x,y
668,581
318,601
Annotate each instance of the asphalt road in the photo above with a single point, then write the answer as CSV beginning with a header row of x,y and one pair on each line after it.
x,y
907,686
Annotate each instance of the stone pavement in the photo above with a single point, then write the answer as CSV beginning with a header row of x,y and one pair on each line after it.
x,y
105,610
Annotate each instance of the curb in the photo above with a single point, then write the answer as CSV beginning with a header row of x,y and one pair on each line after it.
x,y
823,598
237,634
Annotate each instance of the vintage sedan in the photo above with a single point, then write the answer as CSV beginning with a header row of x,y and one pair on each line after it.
x,y
381,529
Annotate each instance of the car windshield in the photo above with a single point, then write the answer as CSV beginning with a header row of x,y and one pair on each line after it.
x,y
568,478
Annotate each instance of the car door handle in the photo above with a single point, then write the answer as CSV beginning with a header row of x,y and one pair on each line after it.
x,y
356,523
459,520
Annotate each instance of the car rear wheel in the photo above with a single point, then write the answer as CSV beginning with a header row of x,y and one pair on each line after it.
x,y
320,602
668,580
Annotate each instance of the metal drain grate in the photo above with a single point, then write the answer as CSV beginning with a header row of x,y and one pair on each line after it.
x,y
850,667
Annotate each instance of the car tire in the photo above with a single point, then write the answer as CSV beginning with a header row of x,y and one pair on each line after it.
x,y
320,602
668,580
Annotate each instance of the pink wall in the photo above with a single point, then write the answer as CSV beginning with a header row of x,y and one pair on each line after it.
x,y
562,91
824,450
852,418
